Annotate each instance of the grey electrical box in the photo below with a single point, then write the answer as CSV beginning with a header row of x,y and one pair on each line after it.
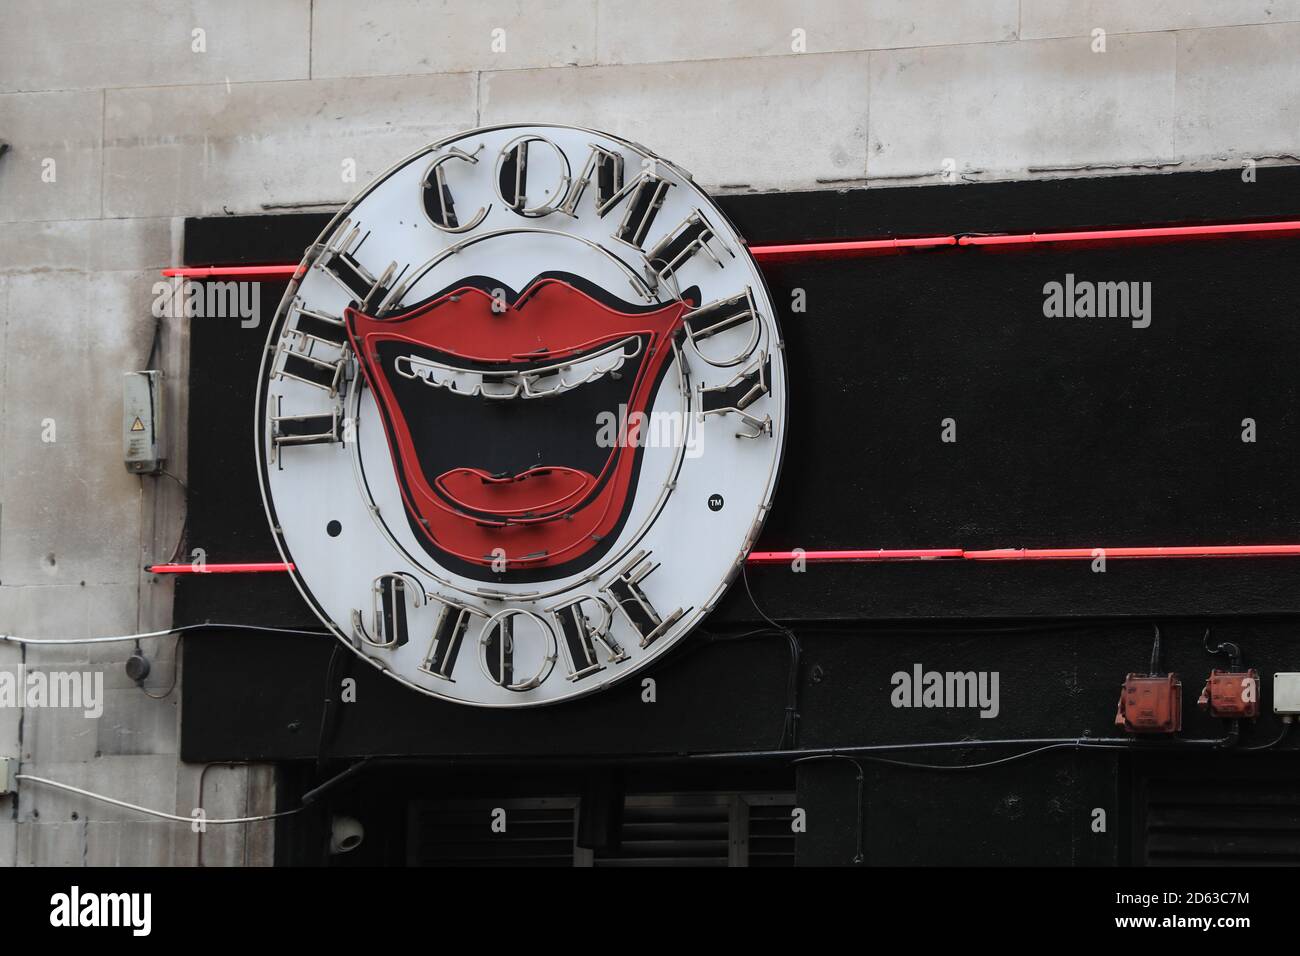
x,y
8,775
1286,693
142,422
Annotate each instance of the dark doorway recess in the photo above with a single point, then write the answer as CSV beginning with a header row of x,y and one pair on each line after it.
x,y
492,816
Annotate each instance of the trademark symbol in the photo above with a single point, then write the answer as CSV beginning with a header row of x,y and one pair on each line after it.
x,y
715,502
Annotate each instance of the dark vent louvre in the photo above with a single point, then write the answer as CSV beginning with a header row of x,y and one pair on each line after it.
x,y
771,840
672,834
539,832
673,829
704,829
1222,822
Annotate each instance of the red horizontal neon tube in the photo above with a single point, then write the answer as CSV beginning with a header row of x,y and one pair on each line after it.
x,y
1209,551
818,250
1152,232
897,554
247,272
830,557
218,568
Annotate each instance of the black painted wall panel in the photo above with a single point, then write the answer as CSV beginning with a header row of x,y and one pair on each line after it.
x,y
1071,432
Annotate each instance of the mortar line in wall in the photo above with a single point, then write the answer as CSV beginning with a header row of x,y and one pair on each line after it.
x,y
582,66
145,496
1208,164
1173,108
223,83
103,146
246,828
311,26
1212,165
1138,33
48,222
22,730
866,127
505,69
142,498
468,71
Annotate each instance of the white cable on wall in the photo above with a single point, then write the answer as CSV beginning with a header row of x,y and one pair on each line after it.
x,y
153,813
14,639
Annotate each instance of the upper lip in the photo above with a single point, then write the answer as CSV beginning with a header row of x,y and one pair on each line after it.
x,y
535,378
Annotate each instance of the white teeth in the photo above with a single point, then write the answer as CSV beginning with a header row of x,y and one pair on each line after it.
x,y
539,382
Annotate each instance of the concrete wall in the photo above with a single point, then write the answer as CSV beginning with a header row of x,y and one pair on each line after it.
x,y
144,127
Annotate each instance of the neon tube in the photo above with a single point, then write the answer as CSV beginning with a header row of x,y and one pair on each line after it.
x,y
822,250
1152,232
218,568
897,554
831,557
1207,551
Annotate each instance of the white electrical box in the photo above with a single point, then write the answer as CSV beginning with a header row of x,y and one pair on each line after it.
x,y
142,422
8,770
1286,693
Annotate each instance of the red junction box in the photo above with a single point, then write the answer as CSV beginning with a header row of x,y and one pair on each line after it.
x,y
1231,694
1151,705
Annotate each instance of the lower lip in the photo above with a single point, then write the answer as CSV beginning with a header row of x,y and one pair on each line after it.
x,y
537,492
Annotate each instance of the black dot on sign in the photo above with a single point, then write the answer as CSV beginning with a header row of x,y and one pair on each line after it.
x,y
715,502
334,529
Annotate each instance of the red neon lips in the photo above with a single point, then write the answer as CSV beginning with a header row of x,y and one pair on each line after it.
x,y
540,492
491,415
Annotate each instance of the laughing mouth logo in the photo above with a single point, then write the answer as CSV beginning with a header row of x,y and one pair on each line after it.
x,y
485,404
489,407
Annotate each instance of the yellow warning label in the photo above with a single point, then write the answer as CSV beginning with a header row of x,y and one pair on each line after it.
x,y
137,425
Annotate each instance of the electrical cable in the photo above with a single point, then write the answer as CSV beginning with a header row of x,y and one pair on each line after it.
x,y
1286,729
146,810
790,728
992,763
326,706
171,687
903,631
1229,741
33,641
185,521
712,638
157,337
198,837
959,629
1075,745
1083,743
1232,650
1080,742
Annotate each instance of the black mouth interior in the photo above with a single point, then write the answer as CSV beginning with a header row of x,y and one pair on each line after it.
x,y
505,437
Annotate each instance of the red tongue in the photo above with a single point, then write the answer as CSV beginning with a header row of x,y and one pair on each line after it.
x,y
535,492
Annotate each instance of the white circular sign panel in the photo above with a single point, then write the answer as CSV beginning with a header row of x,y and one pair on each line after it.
x,y
521,415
